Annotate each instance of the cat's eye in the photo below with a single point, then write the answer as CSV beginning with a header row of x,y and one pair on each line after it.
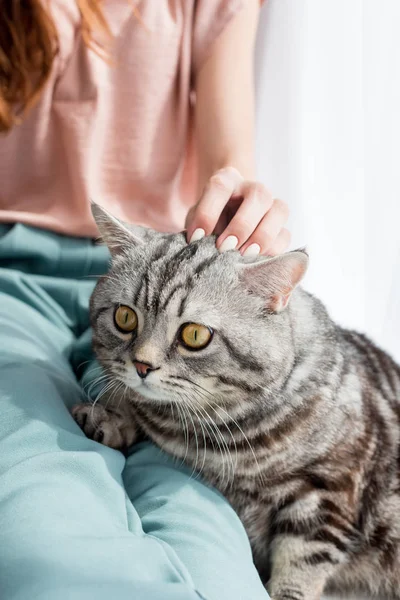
x,y
194,336
125,319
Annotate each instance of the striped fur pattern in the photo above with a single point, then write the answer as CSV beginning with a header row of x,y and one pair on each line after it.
x,y
294,419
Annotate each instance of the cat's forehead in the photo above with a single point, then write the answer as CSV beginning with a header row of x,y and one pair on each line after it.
x,y
172,259
169,275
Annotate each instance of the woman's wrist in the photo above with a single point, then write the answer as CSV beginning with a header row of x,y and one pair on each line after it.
x,y
208,166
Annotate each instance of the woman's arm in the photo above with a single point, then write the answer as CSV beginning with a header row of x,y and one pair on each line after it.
x,y
225,99
232,204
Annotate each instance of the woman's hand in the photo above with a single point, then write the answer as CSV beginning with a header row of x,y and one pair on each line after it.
x,y
239,210
242,213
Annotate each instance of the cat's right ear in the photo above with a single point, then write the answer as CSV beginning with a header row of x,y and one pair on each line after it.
x,y
274,279
114,233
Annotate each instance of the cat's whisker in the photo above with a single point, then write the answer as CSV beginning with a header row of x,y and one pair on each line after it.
x,y
197,441
213,430
113,393
105,276
228,452
234,466
91,385
126,390
97,380
202,431
236,425
88,386
186,398
200,392
106,389
202,423
123,394
184,431
103,380
85,362
224,449
260,474
234,422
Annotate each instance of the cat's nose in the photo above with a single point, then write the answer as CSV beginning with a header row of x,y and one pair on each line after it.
x,y
143,369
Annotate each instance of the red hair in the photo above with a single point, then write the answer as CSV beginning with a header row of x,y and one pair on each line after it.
x,y
28,46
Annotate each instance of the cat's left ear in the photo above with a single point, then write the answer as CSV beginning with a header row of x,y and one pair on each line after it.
x,y
117,235
274,279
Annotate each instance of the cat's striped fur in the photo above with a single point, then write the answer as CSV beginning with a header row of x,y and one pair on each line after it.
x,y
294,419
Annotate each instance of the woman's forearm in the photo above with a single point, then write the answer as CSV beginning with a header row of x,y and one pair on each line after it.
x,y
240,210
225,100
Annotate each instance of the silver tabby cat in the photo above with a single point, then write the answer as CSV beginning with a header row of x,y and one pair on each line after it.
x,y
294,419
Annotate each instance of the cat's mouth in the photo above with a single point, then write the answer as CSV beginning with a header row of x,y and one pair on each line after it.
x,y
148,388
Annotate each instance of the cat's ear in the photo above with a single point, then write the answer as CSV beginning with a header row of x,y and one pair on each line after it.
x,y
117,235
274,279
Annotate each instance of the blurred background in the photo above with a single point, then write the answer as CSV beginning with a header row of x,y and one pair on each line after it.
x,y
328,131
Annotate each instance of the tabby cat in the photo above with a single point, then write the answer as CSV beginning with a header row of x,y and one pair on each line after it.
x,y
293,418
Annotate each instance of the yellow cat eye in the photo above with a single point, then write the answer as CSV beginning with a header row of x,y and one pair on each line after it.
x,y
125,319
195,336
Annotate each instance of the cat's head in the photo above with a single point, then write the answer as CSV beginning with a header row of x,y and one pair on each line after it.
x,y
184,323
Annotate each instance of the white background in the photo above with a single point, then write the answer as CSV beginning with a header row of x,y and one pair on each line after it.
x,y
328,135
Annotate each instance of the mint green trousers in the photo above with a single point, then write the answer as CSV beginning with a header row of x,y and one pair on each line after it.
x,y
78,521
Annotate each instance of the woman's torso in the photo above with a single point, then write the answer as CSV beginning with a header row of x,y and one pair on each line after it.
x,y
118,133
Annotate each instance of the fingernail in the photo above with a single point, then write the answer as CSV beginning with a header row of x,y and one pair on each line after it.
x,y
229,243
252,250
197,235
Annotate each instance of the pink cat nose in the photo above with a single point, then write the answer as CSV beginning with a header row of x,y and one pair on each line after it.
x,y
143,369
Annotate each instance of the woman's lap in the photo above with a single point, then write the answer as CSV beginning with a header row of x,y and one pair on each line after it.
x,y
67,528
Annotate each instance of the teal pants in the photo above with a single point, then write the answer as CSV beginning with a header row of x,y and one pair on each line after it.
x,y
77,519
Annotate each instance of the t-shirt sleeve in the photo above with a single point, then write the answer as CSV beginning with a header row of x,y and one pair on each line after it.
x,y
210,19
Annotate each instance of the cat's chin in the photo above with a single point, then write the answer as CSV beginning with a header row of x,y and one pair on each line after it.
x,y
152,393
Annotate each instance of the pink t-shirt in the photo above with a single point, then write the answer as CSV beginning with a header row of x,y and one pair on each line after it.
x,y
119,134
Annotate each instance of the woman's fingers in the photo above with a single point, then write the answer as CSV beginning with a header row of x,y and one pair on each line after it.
x,y
217,193
256,201
242,212
270,236
281,244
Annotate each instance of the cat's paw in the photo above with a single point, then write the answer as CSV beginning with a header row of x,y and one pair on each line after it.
x,y
294,595
284,597
104,425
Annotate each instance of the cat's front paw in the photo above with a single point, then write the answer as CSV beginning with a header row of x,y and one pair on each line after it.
x,y
295,594
104,425
287,596
292,592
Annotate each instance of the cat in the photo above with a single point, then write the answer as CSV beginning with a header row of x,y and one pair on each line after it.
x,y
294,419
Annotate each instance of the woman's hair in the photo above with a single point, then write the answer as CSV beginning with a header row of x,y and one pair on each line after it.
x,y
28,46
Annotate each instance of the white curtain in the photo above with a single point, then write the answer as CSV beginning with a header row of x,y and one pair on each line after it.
x,y
328,135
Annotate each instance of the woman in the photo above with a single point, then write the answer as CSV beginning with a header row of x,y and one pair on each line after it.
x,y
140,107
